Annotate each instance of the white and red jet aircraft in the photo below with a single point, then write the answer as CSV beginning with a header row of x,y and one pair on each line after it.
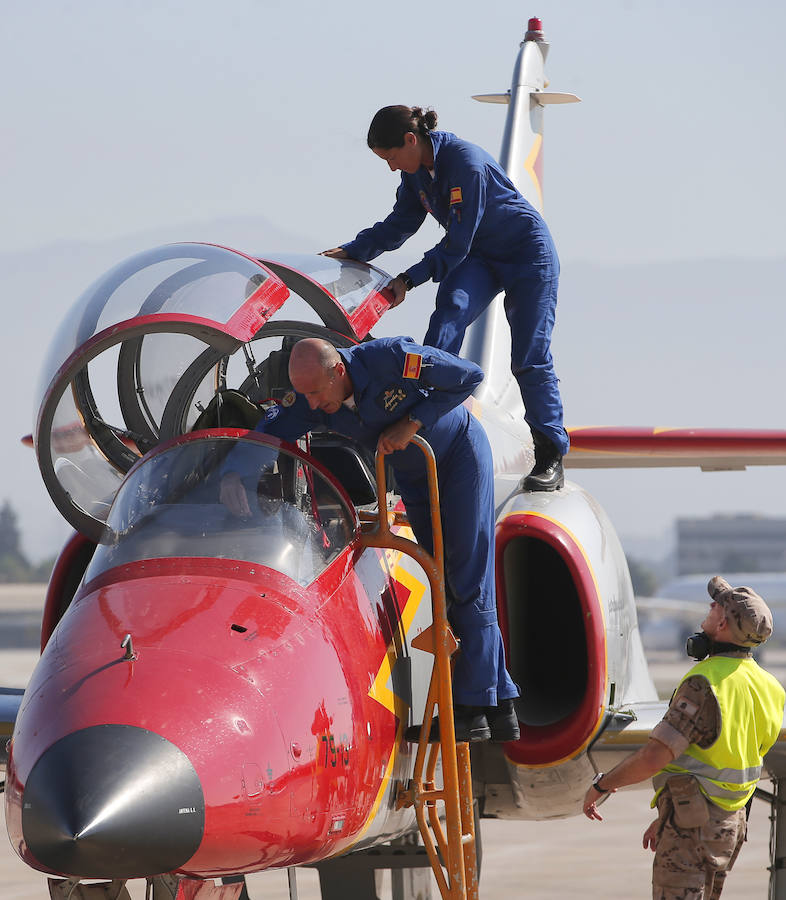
x,y
216,697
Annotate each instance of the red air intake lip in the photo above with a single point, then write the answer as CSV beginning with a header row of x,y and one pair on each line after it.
x,y
569,635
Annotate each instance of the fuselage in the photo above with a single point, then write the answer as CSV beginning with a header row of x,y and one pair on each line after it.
x,y
251,712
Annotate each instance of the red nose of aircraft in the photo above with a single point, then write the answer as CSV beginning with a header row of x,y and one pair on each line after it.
x,y
237,737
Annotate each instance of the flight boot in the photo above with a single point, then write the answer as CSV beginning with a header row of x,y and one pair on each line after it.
x,y
503,722
469,722
546,474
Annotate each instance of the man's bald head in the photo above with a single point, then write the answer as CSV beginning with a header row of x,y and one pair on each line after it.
x,y
312,356
317,371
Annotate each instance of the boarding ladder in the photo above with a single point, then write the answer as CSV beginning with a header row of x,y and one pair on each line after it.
x,y
451,851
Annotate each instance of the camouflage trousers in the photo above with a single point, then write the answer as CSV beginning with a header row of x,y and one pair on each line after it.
x,y
692,863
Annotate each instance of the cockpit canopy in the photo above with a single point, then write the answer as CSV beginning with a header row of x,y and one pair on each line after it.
x,y
142,354
170,506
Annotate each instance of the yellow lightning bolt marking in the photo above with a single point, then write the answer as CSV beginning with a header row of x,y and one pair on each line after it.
x,y
529,165
380,689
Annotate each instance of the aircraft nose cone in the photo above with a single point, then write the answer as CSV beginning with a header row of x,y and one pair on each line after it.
x,y
113,801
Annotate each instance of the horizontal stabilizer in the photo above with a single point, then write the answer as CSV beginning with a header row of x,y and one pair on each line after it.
x,y
544,98
492,98
711,449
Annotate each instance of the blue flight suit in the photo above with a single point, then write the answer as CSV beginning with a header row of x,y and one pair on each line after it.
x,y
383,395
495,241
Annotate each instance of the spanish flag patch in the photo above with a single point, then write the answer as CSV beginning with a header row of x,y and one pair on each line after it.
x,y
412,365
455,196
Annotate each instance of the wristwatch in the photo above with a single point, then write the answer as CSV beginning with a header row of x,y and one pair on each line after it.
x,y
408,282
596,783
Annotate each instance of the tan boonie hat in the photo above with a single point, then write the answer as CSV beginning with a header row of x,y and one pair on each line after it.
x,y
748,616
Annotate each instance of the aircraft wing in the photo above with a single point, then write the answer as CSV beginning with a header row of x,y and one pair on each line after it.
x,y
628,729
711,449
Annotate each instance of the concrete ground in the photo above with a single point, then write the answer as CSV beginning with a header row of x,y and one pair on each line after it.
x,y
557,860
568,858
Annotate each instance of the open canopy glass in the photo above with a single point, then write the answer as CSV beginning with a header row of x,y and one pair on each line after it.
x,y
149,345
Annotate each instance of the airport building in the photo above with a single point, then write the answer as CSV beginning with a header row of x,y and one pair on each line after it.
x,y
731,543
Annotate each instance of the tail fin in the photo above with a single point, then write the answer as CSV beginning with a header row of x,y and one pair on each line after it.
x,y
488,340
521,155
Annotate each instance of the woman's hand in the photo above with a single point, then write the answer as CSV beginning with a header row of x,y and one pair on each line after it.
x,y
398,289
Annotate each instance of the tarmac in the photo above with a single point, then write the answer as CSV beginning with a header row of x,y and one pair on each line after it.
x,y
563,858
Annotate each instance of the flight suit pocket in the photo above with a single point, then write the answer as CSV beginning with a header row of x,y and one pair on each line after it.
x,y
690,806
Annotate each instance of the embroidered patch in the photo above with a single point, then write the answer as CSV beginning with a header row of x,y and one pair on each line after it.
x,y
455,196
390,398
412,365
272,413
690,709
288,399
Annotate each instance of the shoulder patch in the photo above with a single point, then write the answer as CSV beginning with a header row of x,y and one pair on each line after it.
x,y
288,399
690,709
412,365
455,196
272,413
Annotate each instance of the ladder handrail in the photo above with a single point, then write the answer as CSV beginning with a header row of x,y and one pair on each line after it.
x,y
458,850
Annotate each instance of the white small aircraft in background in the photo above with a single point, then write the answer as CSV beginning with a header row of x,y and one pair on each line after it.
x,y
669,617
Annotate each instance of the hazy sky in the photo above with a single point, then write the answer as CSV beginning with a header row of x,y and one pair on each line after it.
x,y
118,115
124,117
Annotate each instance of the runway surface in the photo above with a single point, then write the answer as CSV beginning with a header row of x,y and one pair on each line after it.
x,y
556,859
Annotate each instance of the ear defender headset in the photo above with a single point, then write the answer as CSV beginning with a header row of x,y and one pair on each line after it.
x,y
700,645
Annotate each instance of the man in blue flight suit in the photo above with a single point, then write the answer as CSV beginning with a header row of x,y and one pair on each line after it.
x,y
495,241
381,393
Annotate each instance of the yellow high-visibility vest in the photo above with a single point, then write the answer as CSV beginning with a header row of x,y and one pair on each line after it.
x,y
751,705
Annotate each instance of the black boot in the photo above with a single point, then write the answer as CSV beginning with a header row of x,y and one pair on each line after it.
x,y
546,474
503,722
469,721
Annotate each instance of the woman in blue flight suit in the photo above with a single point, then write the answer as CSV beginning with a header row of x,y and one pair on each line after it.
x,y
495,241
397,388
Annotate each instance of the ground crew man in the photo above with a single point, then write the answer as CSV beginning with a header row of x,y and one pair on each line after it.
x,y
706,753
381,393
495,241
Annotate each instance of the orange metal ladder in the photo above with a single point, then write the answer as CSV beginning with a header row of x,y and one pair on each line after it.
x,y
456,871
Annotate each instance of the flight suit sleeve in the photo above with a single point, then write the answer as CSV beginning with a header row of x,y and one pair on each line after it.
x,y
467,186
405,219
285,422
693,717
445,380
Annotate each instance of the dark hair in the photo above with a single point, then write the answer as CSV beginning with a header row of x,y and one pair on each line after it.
x,y
391,123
